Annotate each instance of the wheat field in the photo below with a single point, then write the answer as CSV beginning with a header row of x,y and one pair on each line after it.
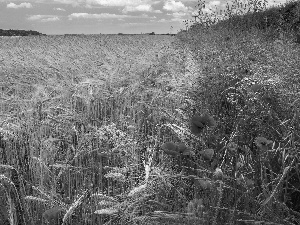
x,y
197,128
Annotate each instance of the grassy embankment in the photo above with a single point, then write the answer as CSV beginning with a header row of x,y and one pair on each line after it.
x,y
248,81
227,98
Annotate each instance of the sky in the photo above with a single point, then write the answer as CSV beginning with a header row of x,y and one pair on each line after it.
x,y
103,16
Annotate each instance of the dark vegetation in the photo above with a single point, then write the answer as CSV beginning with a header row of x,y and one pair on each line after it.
x,y
218,144
152,33
11,32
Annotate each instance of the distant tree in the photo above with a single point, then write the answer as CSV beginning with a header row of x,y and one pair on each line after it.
x,y
152,33
11,32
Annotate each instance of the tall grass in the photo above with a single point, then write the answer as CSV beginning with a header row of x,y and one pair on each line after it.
x,y
206,134
248,81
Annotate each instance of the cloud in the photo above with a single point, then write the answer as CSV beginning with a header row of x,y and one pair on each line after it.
x,y
174,6
59,9
146,16
135,24
179,14
215,3
37,17
105,16
96,16
43,18
140,8
108,3
22,5
162,20
50,19
275,3
118,2
71,2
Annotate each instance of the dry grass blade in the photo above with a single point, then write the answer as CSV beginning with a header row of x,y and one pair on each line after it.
x,y
137,190
101,197
107,211
75,205
32,198
184,133
285,172
16,212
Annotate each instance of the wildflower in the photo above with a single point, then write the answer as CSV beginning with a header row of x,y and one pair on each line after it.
x,y
207,154
195,207
218,174
181,147
231,146
249,182
188,151
256,87
53,214
245,149
204,184
170,148
262,143
214,163
240,180
198,123
239,165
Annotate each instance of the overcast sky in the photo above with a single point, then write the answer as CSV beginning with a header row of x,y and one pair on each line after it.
x,y
101,16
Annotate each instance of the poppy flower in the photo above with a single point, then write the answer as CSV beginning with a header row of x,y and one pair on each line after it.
x,y
207,154
181,147
54,214
195,207
170,148
256,87
204,183
214,163
188,151
262,143
240,180
198,123
232,147
249,182
239,165
184,150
